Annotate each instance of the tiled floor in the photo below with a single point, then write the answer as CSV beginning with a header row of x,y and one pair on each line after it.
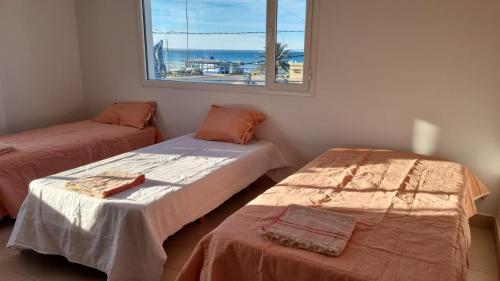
x,y
483,262
30,266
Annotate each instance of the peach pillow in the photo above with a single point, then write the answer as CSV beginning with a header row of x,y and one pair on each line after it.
x,y
133,114
229,124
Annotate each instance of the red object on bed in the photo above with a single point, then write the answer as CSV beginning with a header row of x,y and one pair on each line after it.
x,y
43,152
105,184
412,222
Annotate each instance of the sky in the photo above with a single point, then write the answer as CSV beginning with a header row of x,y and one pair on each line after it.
x,y
226,16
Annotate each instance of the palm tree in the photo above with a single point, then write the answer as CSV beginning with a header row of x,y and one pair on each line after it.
x,y
281,57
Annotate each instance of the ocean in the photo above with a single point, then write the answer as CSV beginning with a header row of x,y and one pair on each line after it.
x,y
251,59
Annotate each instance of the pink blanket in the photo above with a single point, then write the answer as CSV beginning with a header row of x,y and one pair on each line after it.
x,y
43,152
411,223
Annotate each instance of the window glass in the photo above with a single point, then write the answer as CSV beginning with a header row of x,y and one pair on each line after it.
x,y
210,41
290,41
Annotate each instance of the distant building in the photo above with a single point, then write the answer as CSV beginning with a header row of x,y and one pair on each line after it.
x,y
215,66
296,72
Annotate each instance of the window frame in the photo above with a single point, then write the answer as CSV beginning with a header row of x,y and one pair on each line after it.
x,y
306,88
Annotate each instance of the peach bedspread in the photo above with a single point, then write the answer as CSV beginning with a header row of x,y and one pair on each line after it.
x,y
43,152
412,222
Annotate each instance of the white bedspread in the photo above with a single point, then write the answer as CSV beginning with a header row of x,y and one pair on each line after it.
x,y
123,235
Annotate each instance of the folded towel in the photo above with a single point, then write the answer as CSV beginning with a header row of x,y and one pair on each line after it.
x,y
5,148
105,184
311,229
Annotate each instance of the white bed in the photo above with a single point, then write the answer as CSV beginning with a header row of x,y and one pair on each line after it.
x,y
123,235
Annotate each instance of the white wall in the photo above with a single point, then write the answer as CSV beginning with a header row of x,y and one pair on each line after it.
x,y
3,117
40,73
390,72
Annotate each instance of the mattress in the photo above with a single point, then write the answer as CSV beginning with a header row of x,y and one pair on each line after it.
x,y
412,222
123,235
43,152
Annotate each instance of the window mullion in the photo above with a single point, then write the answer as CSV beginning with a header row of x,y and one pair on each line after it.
x,y
271,42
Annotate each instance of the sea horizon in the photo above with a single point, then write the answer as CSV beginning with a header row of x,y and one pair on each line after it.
x,y
178,56
249,60
235,50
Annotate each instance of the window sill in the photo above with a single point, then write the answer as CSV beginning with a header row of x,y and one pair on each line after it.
x,y
208,87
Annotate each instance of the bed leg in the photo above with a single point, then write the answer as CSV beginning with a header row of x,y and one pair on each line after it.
x,y
201,220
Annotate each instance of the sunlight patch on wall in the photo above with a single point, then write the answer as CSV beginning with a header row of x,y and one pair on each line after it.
x,y
425,137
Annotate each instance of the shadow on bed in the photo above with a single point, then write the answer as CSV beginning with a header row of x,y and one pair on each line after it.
x,y
39,259
412,222
406,246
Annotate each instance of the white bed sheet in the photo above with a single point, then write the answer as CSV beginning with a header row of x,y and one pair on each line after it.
x,y
123,235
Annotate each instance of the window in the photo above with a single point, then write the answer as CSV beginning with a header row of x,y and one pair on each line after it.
x,y
224,42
